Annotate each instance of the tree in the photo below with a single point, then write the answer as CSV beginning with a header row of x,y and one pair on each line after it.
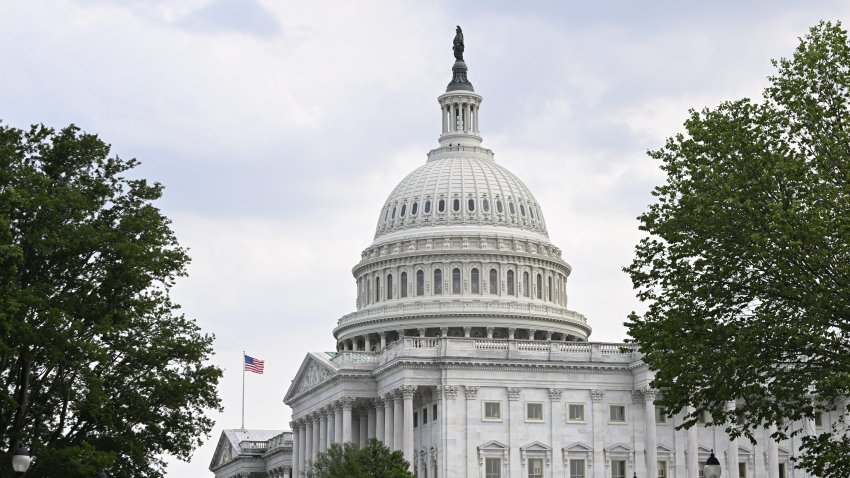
x,y
745,269
99,368
348,461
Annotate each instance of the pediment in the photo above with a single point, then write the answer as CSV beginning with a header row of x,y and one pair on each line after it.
x,y
535,446
493,445
619,448
664,449
744,451
578,447
224,452
316,369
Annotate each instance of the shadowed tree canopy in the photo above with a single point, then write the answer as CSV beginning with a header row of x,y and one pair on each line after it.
x,y
100,371
348,461
745,269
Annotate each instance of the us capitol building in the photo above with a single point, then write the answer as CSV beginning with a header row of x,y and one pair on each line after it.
x,y
462,351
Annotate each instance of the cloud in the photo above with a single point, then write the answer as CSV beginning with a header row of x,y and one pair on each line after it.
x,y
244,16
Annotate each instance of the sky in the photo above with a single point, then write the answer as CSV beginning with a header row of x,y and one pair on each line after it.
x,y
279,128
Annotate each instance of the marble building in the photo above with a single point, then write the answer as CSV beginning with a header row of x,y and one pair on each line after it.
x,y
462,351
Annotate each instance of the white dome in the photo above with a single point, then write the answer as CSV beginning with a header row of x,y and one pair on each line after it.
x,y
456,188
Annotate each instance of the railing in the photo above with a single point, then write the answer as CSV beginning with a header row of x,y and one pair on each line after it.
x,y
284,440
533,346
253,446
422,343
491,344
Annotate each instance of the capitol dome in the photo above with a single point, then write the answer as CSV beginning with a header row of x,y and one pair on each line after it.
x,y
460,250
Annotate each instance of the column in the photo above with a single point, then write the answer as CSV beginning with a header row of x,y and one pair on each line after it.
x,y
692,448
452,117
383,336
308,442
331,428
398,420
490,332
599,423
772,454
316,437
407,392
651,438
371,419
732,471
293,425
347,403
302,446
364,428
389,432
368,342
466,331
380,416
338,423
323,431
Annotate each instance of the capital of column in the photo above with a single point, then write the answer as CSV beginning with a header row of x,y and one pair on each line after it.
x,y
293,425
555,394
382,334
451,392
321,413
363,411
346,402
650,394
511,332
531,333
400,333
513,393
470,391
597,395
444,331
422,332
308,420
380,403
408,391
389,397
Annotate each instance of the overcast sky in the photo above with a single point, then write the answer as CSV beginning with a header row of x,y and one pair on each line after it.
x,y
279,128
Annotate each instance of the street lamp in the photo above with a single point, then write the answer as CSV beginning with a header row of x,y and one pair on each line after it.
x,y
21,460
712,467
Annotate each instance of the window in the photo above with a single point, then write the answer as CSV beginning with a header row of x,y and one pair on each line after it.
x,y
441,206
485,205
702,418
403,209
434,413
526,290
535,468
420,282
550,288
389,286
522,210
456,205
782,471
662,469
539,286
618,469
414,208
415,419
392,216
377,289
494,281
576,468
403,291
427,206
701,469
818,419
742,470
455,281
492,410
475,281
492,468
511,207
575,412
424,416
534,411
438,281
499,207
470,205
531,211
617,414
511,283
660,415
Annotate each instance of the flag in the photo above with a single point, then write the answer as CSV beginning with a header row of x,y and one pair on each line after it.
x,y
254,365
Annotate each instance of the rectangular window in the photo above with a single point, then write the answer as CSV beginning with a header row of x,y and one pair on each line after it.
x,y
576,468
702,418
434,413
782,471
535,468
818,419
492,468
618,469
424,415
701,469
534,411
662,469
742,470
415,419
575,412
617,414
660,415
492,410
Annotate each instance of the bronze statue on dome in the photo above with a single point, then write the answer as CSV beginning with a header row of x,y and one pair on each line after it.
x,y
458,44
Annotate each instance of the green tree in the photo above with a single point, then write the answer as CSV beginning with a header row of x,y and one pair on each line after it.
x,y
348,461
99,368
745,270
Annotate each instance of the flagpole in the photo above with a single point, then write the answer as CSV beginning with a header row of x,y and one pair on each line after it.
x,y
243,389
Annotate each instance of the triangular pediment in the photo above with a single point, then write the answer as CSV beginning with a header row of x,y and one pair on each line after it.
x,y
316,369
493,445
619,448
663,449
578,447
744,451
535,446
224,452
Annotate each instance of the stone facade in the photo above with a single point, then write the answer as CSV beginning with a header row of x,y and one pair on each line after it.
x,y
253,454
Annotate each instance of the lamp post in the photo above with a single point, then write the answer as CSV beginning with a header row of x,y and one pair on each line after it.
x,y
712,467
21,460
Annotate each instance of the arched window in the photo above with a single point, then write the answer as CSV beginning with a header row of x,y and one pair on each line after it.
x,y
368,290
403,291
511,290
550,287
485,205
377,289
521,210
455,281
494,281
531,211
420,282
475,281
456,205
511,207
539,286
470,205
389,286
414,209
526,289
438,281
392,216
403,209
441,206
387,215
499,207
427,206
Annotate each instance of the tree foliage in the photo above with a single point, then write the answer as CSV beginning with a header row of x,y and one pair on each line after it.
x,y
99,368
348,461
745,269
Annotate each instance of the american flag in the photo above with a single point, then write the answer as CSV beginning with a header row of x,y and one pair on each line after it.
x,y
254,365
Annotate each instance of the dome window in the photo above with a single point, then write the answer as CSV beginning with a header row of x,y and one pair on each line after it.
x,y
387,215
438,282
389,286
377,289
485,205
403,290
392,216
456,205
427,206
525,286
403,210
414,208
455,281
531,211
499,207
521,210
511,207
539,286
420,282
470,206
441,206
511,286
475,281
494,282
